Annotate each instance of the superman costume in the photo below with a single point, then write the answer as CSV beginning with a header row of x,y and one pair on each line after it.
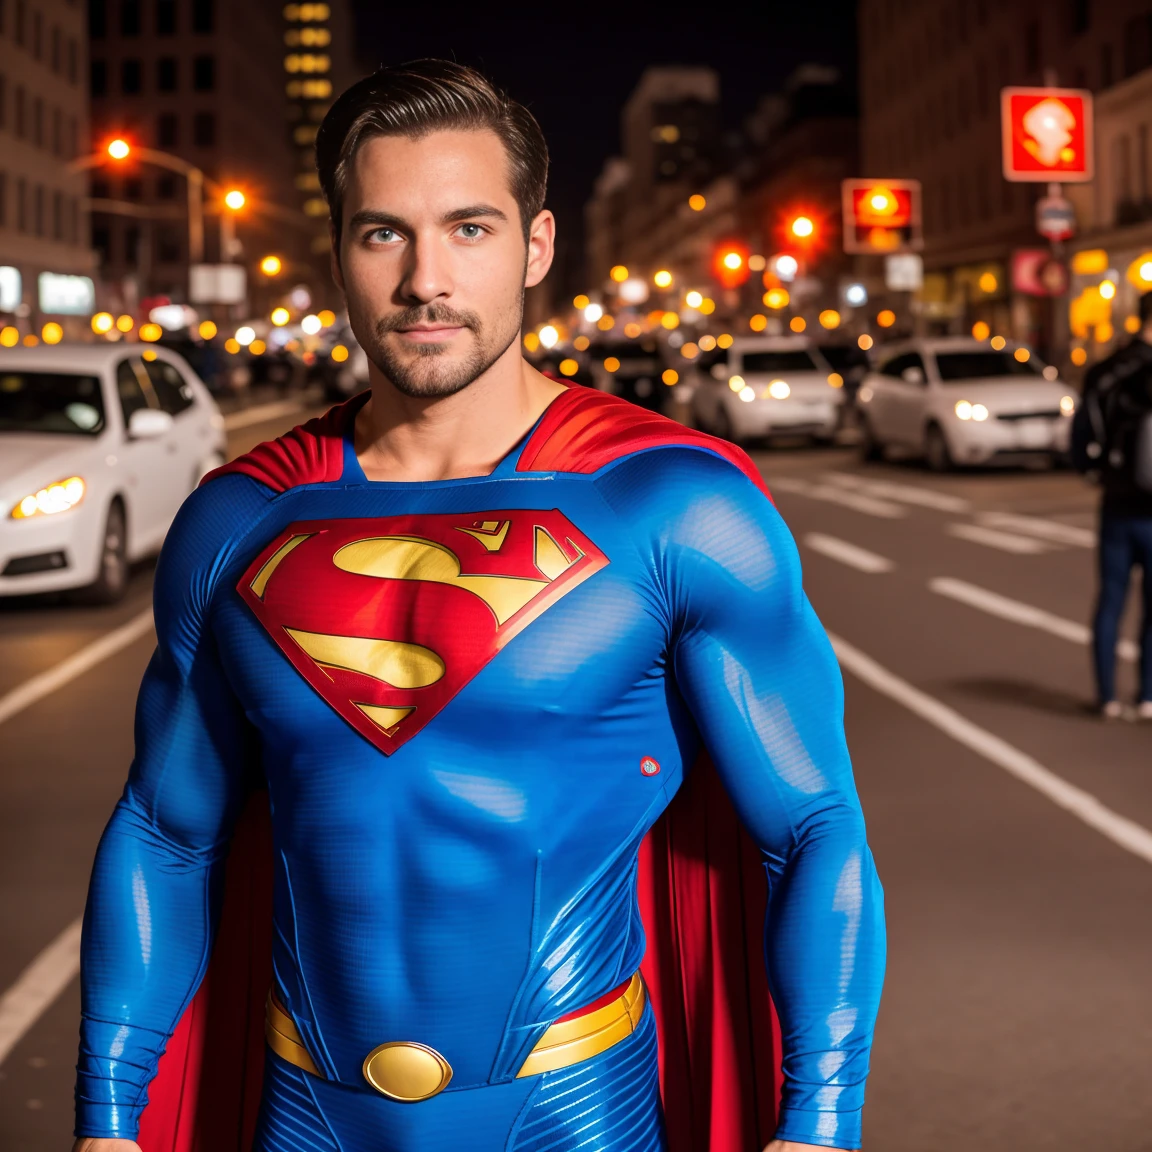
x,y
476,708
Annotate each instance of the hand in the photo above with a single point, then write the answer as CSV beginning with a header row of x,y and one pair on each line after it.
x,y
101,1144
792,1146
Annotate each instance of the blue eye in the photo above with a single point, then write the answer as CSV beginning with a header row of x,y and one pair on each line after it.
x,y
382,235
471,231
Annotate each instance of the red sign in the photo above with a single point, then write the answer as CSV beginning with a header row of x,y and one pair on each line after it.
x,y
1046,134
881,215
1036,273
388,619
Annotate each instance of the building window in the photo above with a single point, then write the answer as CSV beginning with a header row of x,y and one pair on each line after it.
x,y
1142,162
97,19
73,61
38,122
165,17
21,123
3,17
37,36
1137,44
38,210
1032,46
204,129
57,132
134,189
166,74
203,16
98,78
132,245
21,205
129,17
1080,16
3,99
130,77
73,138
57,60
204,73
1105,65
20,22
168,247
3,199
74,215
166,187
102,242
167,130
57,215
100,189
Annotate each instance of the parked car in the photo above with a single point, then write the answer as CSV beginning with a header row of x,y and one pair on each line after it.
x,y
99,446
766,386
957,401
632,369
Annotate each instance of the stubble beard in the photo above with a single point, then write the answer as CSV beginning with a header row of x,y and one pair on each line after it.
x,y
430,371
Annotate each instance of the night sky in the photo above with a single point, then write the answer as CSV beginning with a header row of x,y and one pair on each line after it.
x,y
575,64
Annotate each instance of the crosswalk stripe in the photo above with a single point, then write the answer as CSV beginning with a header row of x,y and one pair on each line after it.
x,y
1129,835
1021,545
851,554
37,987
1050,530
1020,613
835,494
906,493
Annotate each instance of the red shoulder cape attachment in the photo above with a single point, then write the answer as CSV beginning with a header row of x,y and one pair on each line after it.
x,y
702,887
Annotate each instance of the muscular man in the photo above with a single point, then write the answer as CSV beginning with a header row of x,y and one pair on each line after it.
x,y
470,632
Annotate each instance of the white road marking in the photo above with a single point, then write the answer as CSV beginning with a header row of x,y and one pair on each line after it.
x,y
38,986
1021,545
1129,835
1020,613
76,665
261,413
850,554
907,493
834,494
1051,530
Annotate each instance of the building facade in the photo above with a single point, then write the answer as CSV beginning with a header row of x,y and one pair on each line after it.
x,y
233,90
43,128
930,81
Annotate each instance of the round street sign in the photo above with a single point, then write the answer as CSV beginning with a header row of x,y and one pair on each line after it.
x,y
1055,218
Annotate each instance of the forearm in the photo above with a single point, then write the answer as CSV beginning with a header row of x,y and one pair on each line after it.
x,y
147,936
825,951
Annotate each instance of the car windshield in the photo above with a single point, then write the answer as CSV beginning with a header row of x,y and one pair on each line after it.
x,y
983,365
796,360
50,402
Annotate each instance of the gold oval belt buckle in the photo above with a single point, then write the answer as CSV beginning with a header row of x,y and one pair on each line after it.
x,y
407,1071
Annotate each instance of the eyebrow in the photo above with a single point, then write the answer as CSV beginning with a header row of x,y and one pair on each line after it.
x,y
387,220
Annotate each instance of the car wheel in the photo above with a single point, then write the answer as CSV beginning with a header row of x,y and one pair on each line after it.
x,y
112,579
936,453
722,425
870,448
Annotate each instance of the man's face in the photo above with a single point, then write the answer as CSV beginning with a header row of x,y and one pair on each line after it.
x,y
432,259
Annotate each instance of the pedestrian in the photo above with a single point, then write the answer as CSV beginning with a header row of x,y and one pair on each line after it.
x,y
1112,442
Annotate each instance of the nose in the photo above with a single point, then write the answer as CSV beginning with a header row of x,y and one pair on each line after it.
x,y
427,271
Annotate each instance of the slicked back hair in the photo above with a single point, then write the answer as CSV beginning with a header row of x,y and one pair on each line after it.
x,y
427,96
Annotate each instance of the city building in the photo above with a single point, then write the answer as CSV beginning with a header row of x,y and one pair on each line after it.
x,y
234,91
43,127
930,81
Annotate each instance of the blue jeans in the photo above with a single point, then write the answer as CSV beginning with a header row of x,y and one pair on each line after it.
x,y
1125,542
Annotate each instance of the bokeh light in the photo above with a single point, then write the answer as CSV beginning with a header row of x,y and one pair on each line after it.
x,y
797,324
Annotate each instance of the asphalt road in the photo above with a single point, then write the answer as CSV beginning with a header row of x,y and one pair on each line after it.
x,y
1010,825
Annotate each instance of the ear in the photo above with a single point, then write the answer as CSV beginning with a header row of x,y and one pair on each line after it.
x,y
541,248
334,257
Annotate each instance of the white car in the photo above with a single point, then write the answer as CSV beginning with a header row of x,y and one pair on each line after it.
x,y
99,445
768,386
957,401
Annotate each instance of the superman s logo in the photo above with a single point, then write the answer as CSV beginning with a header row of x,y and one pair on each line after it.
x,y
388,618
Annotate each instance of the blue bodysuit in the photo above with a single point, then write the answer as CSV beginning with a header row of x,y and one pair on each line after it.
x,y
469,700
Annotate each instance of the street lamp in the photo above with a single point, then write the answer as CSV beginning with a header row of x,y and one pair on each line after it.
x,y
234,200
271,265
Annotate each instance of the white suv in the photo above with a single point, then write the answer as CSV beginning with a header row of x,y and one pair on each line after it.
x,y
769,385
957,401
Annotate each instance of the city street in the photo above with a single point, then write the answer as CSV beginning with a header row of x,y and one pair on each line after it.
x,y
1010,826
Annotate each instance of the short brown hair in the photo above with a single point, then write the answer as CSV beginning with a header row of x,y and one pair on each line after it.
x,y
426,96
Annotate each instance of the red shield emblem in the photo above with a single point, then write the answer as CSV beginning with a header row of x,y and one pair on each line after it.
x,y
389,618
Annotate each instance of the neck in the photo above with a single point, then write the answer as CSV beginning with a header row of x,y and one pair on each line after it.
x,y
400,437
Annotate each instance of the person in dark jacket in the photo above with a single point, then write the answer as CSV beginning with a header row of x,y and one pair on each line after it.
x,y
1118,395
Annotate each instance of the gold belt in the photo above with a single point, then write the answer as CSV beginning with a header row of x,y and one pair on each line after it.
x,y
408,1071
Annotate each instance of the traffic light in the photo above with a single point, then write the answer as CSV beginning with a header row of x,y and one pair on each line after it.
x,y
235,199
118,149
271,265
802,228
730,264
881,215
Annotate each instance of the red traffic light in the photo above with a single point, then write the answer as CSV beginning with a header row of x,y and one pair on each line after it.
x,y
730,264
881,215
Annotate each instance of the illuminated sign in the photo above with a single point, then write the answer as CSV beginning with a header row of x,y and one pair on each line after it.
x,y
11,288
1046,134
881,216
66,295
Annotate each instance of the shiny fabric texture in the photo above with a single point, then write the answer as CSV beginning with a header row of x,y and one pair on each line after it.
x,y
480,882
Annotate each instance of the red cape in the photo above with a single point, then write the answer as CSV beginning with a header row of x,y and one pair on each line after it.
x,y
702,887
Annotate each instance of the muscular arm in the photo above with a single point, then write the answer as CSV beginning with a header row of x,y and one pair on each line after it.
x,y
155,888
757,671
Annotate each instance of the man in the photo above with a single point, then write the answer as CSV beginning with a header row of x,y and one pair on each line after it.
x,y
1112,439
469,632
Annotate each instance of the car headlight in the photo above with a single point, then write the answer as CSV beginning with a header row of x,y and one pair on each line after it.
x,y
58,497
963,409
1067,405
746,394
779,390
736,383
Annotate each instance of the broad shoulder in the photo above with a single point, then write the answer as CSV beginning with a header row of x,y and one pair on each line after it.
x,y
586,431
